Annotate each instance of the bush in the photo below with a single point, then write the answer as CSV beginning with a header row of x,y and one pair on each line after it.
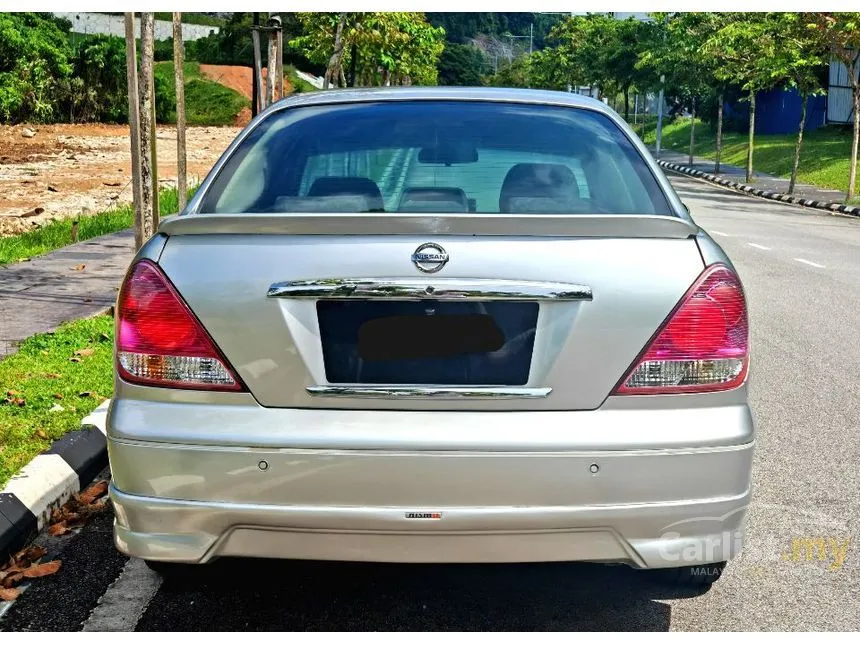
x,y
45,75
163,50
165,99
98,91
34,60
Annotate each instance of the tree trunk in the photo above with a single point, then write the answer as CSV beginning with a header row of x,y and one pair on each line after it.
x,y
255,72
719,133
134,127
751,138
258,72
272,68
178,61
852,176
153,141
147,171
353,60
279,65
803,99
627,103
333,71
692,129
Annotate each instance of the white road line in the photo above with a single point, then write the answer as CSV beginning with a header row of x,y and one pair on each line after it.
x,y
720,233
810,263
758,246
123,604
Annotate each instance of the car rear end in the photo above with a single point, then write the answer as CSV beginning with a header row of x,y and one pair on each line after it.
x,y
432,326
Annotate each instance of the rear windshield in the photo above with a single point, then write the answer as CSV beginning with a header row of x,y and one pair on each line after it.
x,y
436,157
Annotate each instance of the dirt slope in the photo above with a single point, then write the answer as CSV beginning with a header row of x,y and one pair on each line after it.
x,y
236,77
240,79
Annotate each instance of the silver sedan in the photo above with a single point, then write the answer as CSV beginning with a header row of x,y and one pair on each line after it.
x,y
433,325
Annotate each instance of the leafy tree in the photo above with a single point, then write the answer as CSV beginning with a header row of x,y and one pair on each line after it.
x,y
396,47
334,69
745,43
232,45
676,48
593,49
625,41
585,42
550,69
799,55
514,73
841,31
461,65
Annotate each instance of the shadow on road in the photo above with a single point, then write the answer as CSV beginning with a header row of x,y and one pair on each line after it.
x,y
283,595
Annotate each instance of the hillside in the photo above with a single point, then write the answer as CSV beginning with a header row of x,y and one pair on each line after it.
x,y
207,101
460,27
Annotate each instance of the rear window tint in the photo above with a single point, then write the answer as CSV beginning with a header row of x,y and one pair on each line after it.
x,y
436,156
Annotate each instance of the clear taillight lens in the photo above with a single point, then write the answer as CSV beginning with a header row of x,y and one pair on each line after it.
x,y
704,344
159,340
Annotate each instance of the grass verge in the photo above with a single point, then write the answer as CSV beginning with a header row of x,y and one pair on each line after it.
x,y
824,159
206,102
298,83
49,385
58,234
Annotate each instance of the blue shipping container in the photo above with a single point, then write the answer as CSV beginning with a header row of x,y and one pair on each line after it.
x,y
778,111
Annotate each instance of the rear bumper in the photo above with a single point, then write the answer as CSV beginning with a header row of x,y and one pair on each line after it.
x,y
647,508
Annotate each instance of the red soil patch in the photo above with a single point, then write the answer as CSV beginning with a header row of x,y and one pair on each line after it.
x,y
240,79
236,77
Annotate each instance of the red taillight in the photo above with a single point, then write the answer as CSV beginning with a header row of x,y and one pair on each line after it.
x,y
160,342
702,347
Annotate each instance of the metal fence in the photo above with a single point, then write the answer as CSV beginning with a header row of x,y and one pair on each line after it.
x,y
840,107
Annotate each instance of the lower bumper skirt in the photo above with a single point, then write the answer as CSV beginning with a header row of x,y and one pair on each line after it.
x,y
654,535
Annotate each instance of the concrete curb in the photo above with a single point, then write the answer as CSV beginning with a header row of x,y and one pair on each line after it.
x,y
50,479
831,207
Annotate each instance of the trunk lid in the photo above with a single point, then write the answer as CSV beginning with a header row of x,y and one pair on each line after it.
x,y
526,313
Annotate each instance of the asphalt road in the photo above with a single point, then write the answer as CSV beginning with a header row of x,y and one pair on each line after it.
x,y
802,274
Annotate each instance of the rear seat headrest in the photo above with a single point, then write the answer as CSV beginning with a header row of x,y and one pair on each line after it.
x,y
442,199
547,180
338,186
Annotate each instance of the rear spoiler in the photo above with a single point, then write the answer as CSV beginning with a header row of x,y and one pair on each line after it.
x,y
618,226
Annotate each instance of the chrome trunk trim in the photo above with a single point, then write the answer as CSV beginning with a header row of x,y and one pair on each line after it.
x,y
423,392
432,289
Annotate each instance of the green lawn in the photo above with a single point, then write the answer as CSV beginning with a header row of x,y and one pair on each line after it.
x,y
58,234
823,159
69,370
206,102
